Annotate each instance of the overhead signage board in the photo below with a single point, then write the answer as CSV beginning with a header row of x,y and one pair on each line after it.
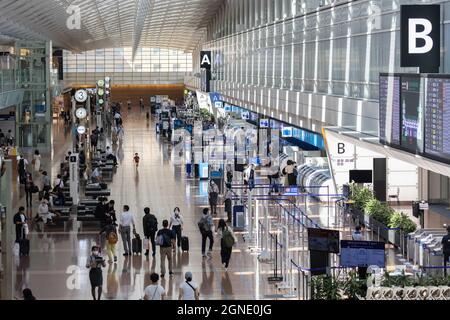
x,y
286,132
420,37
263,123
205,60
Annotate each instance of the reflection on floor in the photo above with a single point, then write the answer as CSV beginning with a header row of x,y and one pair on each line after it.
x,y
56,268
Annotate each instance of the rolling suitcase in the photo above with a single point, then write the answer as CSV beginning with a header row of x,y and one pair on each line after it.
x,y
184,243
136,245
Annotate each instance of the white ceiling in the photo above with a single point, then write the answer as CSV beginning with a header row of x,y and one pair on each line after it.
x,y
178,24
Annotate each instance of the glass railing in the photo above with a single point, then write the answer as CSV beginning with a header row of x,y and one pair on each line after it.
x,y
7,80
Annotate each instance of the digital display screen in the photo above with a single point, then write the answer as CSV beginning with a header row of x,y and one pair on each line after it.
x,y
437,118
362,253
389,109
323,240
410,112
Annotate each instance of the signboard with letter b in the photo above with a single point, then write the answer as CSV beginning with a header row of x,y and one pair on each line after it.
x,y
420,37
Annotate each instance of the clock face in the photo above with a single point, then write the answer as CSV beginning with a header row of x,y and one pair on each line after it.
x,y
100,92
81,95
81,113
100,101
101,83
81,129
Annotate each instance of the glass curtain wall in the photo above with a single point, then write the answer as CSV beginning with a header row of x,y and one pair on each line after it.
x,y
150,66
309,46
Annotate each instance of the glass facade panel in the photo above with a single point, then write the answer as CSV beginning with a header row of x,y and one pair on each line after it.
x,y
160,65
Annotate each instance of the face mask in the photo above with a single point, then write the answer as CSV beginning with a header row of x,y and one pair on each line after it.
x,y
95,253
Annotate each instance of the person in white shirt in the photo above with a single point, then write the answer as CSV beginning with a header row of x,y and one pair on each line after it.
x,y
189,289
59,182
43,211
357,235
126,220
154,291
95,176
176,223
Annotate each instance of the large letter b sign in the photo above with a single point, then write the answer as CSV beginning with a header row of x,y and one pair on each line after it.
x,y
420,37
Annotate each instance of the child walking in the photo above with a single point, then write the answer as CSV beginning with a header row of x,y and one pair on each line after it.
x,y
136,160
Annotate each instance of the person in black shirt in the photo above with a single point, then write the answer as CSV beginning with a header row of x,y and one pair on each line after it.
x,y
446,249
150,224
19,220
166,241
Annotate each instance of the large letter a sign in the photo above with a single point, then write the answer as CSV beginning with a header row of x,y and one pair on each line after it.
x,y
205,59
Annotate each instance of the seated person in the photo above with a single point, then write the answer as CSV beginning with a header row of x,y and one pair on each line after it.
x,y
110,155
95,175
45,214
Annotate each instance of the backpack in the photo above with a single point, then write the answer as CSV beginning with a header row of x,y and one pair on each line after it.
x,y
203,225
22,165
163,240
112,238
228,239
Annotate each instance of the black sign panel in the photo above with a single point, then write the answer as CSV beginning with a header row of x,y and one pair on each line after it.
x,y
420,37
205,60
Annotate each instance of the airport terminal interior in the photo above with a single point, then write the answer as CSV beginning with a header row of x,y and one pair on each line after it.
x,y
224,150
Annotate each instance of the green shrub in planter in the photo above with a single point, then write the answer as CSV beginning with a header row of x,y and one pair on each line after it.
x,y
402,221
378,210
360,195
325,288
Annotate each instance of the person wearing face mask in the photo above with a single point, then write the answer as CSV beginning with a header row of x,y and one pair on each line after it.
x,y
95,262
176,223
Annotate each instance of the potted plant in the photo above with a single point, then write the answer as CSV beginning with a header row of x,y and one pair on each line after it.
x,y
353,287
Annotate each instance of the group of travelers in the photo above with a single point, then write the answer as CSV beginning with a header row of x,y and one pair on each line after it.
x,y
169,238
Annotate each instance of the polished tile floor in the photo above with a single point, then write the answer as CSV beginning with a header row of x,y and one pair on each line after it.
x,y
56,269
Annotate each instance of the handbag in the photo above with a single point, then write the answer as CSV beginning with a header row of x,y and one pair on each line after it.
x,y
34,189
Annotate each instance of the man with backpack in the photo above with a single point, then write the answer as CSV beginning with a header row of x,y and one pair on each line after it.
x,y
110,233
21,168
150,224
206,226
165,239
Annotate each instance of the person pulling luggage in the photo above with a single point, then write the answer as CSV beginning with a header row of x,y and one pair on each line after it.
x,y
176,224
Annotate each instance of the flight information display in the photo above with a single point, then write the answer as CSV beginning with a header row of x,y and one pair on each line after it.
x,y
437,118
410,113
389,109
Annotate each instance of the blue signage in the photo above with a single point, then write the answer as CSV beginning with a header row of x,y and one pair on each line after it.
x,y
215,97
362,253
286,132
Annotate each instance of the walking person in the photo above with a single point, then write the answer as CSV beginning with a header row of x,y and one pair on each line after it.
x,y
95,262
150,224
29,189
227,241
9,138
165,238
20,220
136,160
37,161
213,193
228,202
206,226
189,290
446,249
109,232
129,104
21,169
154,291
126,220
176,224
